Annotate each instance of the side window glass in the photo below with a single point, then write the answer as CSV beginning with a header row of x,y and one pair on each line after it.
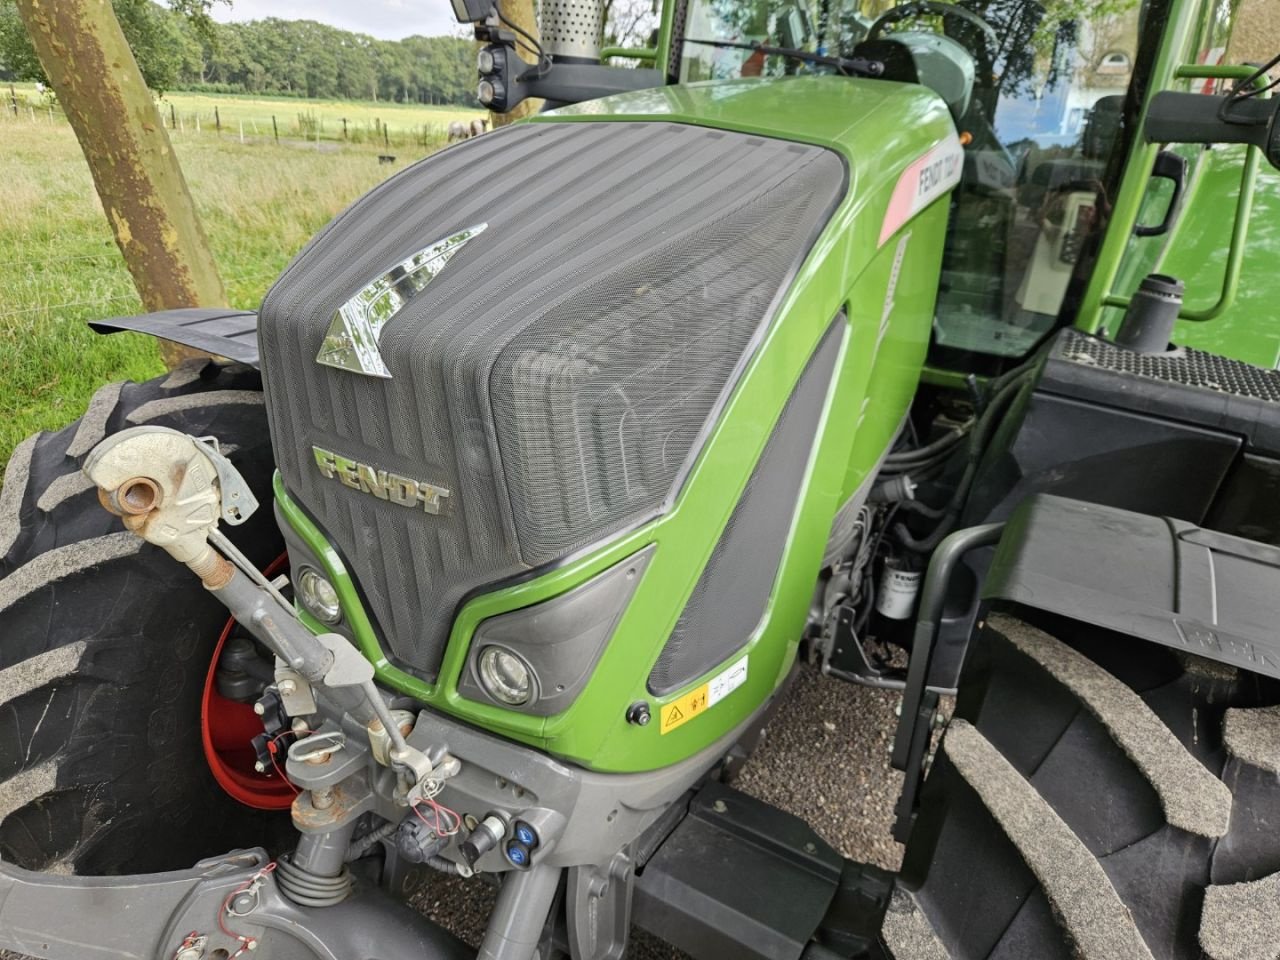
x,y
1045,120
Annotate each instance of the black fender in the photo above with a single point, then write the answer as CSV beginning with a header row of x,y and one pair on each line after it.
x,y
221,331
1159,579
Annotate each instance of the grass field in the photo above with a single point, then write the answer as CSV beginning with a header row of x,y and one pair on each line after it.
x,y
59,266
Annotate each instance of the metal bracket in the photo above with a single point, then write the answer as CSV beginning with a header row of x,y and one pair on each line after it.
x,y
238,501
598,900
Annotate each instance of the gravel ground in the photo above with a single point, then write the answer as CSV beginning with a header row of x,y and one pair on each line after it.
x,y
824,757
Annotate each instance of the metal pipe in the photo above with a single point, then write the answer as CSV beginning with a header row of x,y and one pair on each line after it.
x,y
515,926
933,597
325,854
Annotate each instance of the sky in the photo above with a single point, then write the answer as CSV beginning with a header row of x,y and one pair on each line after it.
x,y
385,19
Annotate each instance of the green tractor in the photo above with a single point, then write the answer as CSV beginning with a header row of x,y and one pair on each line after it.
x,y
868,339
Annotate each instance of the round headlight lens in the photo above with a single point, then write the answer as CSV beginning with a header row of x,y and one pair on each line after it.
x,y
505,677
319,597
484,60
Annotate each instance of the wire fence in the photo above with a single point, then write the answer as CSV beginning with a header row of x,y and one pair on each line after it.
x,y
248,121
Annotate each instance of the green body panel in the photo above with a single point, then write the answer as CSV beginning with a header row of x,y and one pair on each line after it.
x,y
887,292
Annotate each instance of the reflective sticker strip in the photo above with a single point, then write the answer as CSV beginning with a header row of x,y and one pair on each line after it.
x,y
927,179
697,701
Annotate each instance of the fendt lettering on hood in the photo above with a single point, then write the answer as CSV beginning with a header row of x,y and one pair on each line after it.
x,y
391,487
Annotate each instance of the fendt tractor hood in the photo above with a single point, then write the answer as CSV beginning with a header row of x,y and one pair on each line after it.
x,y
510,350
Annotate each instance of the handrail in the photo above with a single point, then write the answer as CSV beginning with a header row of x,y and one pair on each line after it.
x,y
646,54
1244,205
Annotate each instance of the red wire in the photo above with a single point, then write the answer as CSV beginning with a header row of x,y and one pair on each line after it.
x,y
439,826
226,908
273,750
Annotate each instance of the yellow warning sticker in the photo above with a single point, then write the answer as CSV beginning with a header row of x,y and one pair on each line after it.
x,y
683,709
700,699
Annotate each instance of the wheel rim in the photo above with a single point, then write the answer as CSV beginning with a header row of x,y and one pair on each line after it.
x,y
227,726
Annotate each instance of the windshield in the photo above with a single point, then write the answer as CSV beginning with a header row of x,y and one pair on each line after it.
x,y
1042,122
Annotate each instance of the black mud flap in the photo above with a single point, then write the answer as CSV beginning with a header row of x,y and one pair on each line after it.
x,y
218,330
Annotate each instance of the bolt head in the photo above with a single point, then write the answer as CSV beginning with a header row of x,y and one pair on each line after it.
x,y
260,766
638,714
719,806
811,848
259,709
287,688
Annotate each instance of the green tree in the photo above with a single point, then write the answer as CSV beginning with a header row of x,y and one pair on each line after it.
x,y
155,34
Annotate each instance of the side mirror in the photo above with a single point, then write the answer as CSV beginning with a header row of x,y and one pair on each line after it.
x,y
1196,118
471,11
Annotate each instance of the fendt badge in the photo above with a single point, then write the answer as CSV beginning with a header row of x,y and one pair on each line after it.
x,y
352,340
381,484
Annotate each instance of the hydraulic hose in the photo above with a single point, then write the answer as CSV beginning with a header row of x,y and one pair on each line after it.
x,y
940,446
979,438
359,847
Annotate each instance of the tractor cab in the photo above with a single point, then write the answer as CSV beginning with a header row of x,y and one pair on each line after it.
x,y
1039,99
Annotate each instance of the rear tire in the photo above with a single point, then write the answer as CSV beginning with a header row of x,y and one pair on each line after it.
x,y
1046,826
107,641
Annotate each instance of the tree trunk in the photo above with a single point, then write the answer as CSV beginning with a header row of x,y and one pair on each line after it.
x,y
139,181
519,12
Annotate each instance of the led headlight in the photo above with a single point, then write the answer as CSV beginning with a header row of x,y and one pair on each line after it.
x,y
504,676
318,596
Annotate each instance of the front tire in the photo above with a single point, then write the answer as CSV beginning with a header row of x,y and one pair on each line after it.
x,y
107,641
1096,796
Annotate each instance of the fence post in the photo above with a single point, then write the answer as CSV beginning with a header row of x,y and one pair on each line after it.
x,y
344,128
217,120
13,99
173,116
242,131
275,127
386,138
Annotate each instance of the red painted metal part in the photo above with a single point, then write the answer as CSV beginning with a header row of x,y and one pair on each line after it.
x,y
227,726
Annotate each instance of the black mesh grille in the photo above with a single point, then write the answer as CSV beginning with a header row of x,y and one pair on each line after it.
x,y
556,374
1192,368
730,597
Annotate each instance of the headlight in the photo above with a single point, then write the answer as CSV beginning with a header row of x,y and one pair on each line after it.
x,y
318,596
505,677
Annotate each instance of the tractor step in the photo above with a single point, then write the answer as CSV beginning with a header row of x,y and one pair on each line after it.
x,y
740,878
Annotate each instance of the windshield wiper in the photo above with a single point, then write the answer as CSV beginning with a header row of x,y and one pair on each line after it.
x,y
850,67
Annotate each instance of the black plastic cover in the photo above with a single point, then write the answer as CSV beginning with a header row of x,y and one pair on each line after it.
x,y
1156,578
738,879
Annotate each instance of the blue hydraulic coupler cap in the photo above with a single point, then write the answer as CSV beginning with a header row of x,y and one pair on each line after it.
x,y
525,834
518,854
